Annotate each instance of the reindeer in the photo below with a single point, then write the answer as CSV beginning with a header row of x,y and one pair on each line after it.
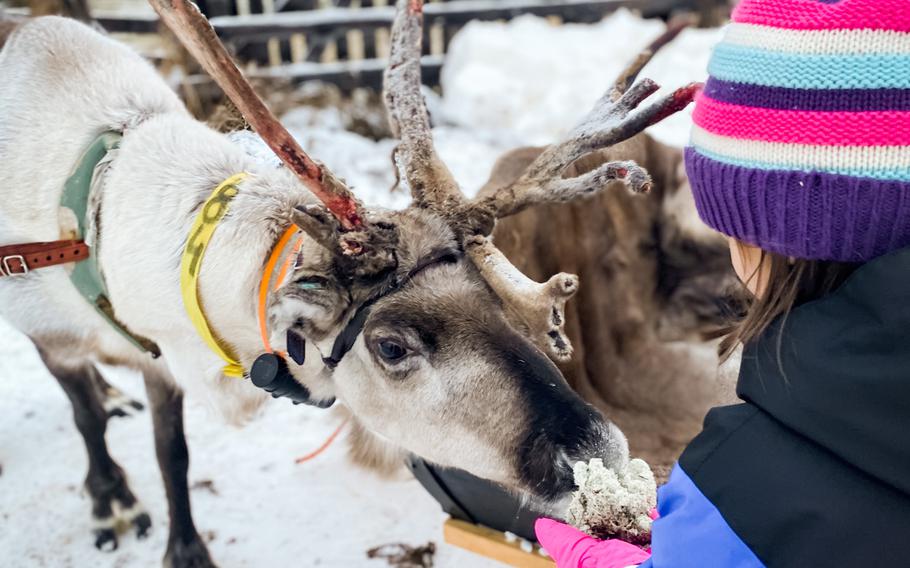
x,y
656,287
413,319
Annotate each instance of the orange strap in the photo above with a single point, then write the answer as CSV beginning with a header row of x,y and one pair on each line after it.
x,y
263,301
267,278
325,445
287,264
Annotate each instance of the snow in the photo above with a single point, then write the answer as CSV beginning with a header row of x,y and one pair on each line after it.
x,y
506,85
268,511
538,80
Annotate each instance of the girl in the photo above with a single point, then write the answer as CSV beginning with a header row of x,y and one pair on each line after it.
x,y
800,154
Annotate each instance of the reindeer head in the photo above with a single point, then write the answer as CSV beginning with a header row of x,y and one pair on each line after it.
x,y
417,322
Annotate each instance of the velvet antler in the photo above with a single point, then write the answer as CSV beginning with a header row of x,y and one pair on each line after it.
x,y
610,121
535,308
196,34
432,184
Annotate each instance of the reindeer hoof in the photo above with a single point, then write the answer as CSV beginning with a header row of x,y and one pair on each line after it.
x,y
142,524
118,520
105,539
191,554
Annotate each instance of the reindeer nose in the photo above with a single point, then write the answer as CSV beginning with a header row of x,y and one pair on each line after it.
x,y
560,428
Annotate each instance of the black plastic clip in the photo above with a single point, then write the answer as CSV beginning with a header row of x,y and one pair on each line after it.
x,y
270,373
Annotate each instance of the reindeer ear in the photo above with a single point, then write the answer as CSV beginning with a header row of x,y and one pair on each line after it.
x,y
358,253
319,224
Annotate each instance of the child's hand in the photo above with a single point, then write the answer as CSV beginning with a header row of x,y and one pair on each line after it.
x,y
571,548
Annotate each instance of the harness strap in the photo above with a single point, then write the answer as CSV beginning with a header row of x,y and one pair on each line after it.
x,y
348,336
82,184
82,195
19,259
267,279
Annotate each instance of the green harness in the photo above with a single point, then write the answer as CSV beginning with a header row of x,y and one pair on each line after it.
x,y
86,275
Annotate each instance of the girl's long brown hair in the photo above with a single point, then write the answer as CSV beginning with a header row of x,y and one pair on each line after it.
x,y
791,282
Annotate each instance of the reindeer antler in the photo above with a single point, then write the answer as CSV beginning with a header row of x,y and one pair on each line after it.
x,y
432,184
608,123
537,309
196,34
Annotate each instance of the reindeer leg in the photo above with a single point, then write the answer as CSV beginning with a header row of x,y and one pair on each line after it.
x,y
185,548
115,402
113,504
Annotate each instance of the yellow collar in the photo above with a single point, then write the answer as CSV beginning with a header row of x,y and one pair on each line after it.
x,y
213,210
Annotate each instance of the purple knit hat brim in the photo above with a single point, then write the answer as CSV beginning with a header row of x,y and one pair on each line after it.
x,y
810,215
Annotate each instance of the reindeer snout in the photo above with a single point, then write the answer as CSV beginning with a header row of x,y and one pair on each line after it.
x,y
551,452
560,429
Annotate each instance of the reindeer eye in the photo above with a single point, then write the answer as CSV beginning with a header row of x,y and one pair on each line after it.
x,y
311,283
391,351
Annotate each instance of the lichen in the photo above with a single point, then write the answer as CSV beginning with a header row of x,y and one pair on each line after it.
x,y
610,504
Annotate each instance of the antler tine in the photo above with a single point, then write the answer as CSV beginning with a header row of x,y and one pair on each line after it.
x,y
432,184
538,309
196,34
610,121
630,73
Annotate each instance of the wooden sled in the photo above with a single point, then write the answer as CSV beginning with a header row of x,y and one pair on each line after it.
x,y
493,544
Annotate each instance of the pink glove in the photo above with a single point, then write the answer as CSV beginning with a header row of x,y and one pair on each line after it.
x,y
571,548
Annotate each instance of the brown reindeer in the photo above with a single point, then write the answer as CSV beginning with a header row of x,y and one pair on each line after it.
x,y
654,282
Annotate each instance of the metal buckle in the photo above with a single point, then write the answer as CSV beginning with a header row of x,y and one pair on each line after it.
x,y
8,269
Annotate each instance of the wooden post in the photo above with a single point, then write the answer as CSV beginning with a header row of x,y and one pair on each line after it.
x,y
493,544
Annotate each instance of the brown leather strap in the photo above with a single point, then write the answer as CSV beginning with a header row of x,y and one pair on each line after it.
x,y
16,260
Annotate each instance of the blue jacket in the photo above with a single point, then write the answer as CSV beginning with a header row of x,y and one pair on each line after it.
x,y
813,468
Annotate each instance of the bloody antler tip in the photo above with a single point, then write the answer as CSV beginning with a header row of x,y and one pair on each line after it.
x,y
685,95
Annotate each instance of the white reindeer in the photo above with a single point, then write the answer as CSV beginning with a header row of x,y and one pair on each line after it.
x,y
412,319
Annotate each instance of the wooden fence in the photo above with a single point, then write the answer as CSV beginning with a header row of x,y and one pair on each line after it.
x,y
346,42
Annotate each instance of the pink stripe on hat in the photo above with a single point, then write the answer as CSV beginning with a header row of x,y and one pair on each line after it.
x,y
804,129
869,128
826,14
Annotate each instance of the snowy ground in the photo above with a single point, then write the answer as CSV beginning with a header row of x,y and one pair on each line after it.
x,y
506,85
268,511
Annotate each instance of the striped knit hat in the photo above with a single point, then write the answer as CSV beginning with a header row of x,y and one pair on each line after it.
x,y
801,143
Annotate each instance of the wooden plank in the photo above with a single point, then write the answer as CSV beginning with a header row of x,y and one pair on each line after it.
x,y
492,544
346,74
128,24
274,44
456,12
262,26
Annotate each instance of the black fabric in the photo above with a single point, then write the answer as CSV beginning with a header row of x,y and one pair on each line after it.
x,y
814,468
792,502
475,500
